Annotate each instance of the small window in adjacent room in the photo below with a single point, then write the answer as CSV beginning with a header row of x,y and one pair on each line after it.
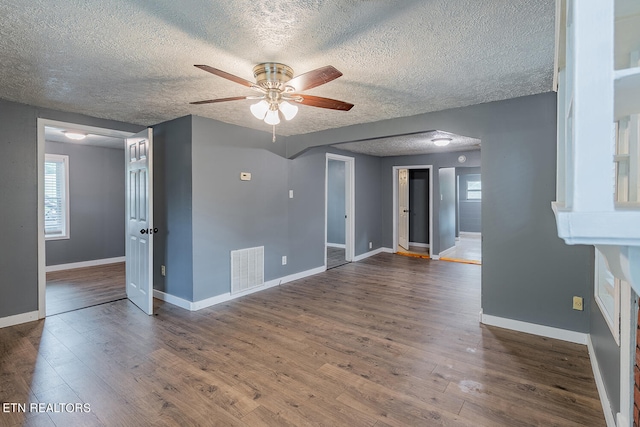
x,y
474,190
56,197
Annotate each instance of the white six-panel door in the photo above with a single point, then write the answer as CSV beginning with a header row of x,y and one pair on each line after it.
x,y
139,220
403,206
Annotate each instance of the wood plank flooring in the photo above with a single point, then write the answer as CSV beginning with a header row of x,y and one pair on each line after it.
x,y
387,341
83,287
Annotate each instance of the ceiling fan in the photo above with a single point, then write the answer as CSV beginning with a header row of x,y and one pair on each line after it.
x,y
278,89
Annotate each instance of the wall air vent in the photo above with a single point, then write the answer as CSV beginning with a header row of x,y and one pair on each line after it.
x,y
247,269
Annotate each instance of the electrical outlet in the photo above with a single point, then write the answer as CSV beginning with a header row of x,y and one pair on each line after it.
x,y
370,245
284,260
578,303
163,270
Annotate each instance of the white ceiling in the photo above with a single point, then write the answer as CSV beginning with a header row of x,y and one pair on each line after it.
x,y
133,60
410,144
54,134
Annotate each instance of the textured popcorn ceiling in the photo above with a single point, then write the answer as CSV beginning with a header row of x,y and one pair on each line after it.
x,y
133,60
406,145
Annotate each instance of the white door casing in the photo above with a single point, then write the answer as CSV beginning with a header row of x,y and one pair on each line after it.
x,y
350,208
139,220
403,208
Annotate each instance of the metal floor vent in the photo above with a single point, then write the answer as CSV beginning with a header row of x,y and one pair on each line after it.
x,y
247,269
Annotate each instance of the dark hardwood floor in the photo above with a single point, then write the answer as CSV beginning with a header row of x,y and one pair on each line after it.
x,y
388,341
83,287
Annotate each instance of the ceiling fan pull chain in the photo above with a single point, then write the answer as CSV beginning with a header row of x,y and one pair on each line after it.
x,y
274,134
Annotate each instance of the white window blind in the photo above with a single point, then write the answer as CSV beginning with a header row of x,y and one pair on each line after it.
x,y
474,190
56,196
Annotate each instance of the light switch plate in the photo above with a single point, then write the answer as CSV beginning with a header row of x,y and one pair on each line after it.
x,y
245,176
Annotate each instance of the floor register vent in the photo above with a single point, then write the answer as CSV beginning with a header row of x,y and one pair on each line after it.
x,y
247,269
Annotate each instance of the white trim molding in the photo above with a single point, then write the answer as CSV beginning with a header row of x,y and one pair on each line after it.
x,y
447,251
40,151
372,253
602,391
336,245
17,319
218,299
84,264
394,180
535,329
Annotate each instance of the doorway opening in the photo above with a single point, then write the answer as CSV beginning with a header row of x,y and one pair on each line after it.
x,y
81,216
339,210
412,210
468,199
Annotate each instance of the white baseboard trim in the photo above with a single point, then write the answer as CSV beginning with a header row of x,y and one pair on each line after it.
x,y
447,251
83,264
172,299
17,319
532,328
218,299
419,245
336,245
602,391
301,275
372,253
435,257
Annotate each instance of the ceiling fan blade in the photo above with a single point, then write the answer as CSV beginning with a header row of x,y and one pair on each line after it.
x,y
314,78
318,101
226,75
212,101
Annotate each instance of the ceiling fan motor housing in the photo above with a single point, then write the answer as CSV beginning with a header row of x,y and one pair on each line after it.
x,y
272,75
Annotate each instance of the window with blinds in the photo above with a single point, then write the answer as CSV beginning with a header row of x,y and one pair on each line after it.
x,y
56,196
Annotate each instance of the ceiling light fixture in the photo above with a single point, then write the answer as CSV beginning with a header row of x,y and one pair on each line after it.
x,y
280,91
441,142
76,136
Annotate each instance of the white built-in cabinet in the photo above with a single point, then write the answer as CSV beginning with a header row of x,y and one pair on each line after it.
x,y
598,81
598,171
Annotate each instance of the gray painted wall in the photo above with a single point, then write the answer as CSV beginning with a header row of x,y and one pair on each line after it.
x,y
447,209
469,211
172,209
528,273
96,204
18,186
523,260
419,206
368,215
18,211
306,238
336,202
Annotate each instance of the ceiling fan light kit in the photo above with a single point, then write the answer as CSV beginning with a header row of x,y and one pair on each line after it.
x,y
279,89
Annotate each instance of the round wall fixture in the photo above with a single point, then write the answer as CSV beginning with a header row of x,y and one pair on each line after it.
x,y
462,159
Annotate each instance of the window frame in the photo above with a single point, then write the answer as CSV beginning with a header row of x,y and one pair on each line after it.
x,y
64,159
467,190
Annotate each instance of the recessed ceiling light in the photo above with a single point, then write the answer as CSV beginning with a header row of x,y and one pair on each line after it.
x,y
441,142
76,136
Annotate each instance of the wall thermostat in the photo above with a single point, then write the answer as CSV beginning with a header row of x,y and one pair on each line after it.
x,y
462,159
245,176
